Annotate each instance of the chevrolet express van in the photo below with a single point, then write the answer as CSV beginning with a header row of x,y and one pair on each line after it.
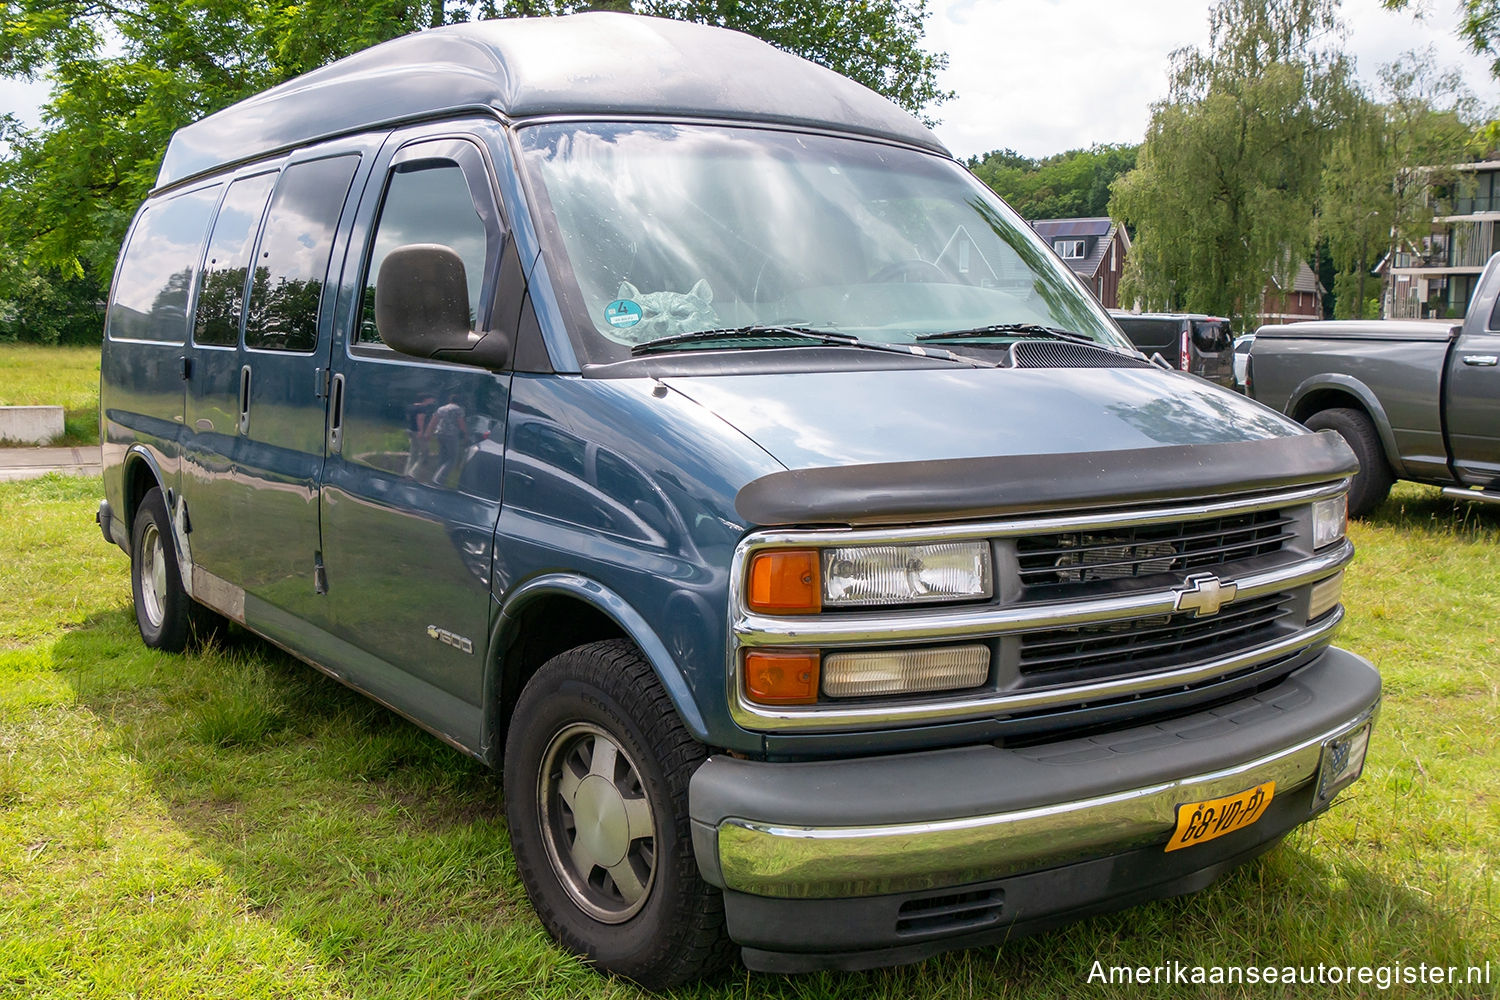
x,y
675,425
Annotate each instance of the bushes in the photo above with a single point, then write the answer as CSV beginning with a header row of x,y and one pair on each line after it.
x,y
48,307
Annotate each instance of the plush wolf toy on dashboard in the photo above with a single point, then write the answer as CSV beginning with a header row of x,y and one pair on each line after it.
x,y
664,314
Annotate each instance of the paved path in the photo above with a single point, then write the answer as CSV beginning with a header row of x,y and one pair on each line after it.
x,y
29,463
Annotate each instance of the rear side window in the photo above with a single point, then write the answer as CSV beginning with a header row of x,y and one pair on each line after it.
x,y
428,204
156,272
1211,335
221,292
292,261
1151,334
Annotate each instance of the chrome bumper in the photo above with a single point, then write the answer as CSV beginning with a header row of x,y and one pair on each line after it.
x,y
817,861
809,862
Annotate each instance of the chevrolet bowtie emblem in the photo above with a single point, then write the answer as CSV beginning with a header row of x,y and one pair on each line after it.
x,y
1204,594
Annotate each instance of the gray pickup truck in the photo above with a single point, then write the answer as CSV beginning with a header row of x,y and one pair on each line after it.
x,y
1415,399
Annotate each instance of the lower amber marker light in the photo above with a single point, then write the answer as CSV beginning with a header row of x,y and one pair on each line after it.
x,y
781,678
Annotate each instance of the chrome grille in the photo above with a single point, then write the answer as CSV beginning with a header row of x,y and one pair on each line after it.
x,y
1130,645
1074,557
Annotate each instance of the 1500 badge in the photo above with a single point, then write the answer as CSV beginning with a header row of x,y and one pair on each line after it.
x,y
458,642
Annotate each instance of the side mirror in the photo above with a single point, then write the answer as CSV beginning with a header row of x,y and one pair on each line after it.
x,y
422,308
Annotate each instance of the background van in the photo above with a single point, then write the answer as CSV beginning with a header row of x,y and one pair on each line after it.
x,y
1192,342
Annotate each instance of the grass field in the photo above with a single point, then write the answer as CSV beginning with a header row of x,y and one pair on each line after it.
x,y
32,375
232,824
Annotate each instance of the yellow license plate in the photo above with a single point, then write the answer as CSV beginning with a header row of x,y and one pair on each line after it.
x,y
1200,822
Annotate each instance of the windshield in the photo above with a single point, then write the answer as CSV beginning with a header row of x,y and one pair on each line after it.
x,y
658,230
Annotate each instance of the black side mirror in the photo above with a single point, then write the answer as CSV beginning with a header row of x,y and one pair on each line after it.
x,y
422,308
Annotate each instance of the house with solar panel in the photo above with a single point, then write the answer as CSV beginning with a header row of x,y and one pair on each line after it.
x,y
1094,248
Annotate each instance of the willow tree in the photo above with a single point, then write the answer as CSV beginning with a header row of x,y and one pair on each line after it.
x,y
1225,188
1379,169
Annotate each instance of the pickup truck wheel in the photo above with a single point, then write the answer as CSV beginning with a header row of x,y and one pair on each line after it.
x,y
167,617
597,765
1372,484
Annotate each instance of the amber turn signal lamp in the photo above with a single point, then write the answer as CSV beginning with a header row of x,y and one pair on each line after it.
x,y
785,581
781,678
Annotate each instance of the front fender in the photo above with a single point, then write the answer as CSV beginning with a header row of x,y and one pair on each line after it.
x,y
623,614
1347,385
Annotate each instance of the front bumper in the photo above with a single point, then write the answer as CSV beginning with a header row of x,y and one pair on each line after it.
x,y
828,844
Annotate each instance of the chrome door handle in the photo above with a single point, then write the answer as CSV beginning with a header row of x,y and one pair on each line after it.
x,y
1481,360
336,415
244,422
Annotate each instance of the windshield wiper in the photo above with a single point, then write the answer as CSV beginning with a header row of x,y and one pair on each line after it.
x,y
804,333
741,332
1025,330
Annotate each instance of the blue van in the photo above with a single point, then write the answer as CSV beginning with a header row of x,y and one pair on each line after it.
x,y
676,426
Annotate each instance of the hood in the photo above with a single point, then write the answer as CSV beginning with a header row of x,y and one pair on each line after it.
x,y
900,447
821,419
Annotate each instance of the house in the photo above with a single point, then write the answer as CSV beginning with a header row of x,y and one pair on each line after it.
x,y
1437,278
1291,302
1094,248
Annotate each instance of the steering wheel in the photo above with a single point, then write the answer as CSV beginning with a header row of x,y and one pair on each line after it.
x,y
914,269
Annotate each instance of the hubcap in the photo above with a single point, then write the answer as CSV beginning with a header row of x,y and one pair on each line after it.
x,y
153,570
597,823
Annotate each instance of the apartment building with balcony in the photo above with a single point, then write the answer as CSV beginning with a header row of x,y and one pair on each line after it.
x,y
1437,279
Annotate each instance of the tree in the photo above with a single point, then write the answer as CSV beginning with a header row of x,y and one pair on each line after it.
x,y
1380,166
1478,24
1224,191
1067,185
127,73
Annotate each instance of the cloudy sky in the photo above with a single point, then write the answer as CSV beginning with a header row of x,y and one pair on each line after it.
x,y
1042,76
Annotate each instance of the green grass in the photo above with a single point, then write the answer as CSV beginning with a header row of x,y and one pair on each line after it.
x,y
31,375
232,824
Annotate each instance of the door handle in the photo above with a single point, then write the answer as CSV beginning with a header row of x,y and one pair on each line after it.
x,y
245,400
336,414
1481,360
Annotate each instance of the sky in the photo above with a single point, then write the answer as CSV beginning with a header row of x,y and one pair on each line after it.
x,y
1044,76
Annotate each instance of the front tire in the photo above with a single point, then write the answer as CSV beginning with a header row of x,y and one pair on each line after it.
x,y
1372,484
167,617
597,765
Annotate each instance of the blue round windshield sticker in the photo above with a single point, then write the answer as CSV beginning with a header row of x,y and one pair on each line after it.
x,y
622,313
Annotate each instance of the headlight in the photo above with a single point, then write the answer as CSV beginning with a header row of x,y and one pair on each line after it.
x,y
1330,518
806,581
861,576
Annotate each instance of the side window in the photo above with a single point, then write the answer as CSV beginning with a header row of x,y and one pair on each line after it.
x,y
156,272
221,290
427,201
292,262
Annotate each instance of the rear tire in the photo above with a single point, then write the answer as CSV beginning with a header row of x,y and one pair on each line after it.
x,y
597,765
167,617
1372,484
